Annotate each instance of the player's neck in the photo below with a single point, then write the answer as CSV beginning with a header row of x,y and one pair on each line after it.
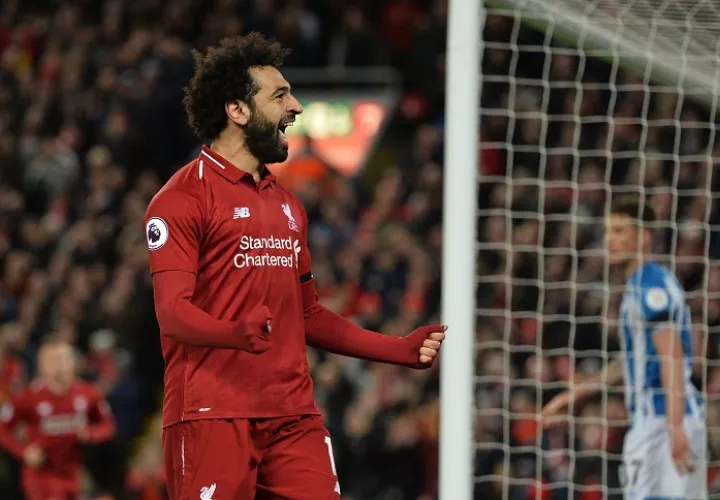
x,y
632,266
57,389
232,147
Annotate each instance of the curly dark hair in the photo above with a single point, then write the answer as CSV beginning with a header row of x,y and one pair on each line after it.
x,y
222,75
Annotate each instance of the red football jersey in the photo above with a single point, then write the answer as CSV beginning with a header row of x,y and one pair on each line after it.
x,y
53,422
12,377
246,244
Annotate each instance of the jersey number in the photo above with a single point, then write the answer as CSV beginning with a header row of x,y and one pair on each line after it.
x,y
330,452
629,473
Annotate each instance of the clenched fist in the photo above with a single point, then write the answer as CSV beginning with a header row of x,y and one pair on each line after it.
x,y
424,345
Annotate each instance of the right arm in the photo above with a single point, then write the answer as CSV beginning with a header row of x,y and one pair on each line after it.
x,y
592,385
184,322
174,228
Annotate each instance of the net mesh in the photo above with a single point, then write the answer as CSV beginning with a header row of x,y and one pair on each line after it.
x,y
674,40
564,127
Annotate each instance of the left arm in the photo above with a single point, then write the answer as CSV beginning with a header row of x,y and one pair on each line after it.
x,y
672,374
659,303
331,332
101,426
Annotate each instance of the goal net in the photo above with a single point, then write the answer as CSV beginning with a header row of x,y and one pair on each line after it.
x,y
581,100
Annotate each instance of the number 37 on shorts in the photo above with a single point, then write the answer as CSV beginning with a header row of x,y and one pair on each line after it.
x,y
648,470
628,472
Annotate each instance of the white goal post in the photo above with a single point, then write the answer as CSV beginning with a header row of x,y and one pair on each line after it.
x,y
459,240
580,100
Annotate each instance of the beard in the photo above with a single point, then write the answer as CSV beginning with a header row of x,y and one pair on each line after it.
x,y
263,139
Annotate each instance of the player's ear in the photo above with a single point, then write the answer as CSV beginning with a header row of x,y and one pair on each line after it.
x,y
238,112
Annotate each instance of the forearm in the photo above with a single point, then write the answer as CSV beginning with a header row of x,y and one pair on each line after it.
x,y
672,374
611,375
184,322
331,332
673,382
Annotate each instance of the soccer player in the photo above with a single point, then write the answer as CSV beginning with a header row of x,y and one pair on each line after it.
x,y
235,297
664,454
60,414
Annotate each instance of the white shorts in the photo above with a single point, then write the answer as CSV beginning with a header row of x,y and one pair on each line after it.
x,y
648,471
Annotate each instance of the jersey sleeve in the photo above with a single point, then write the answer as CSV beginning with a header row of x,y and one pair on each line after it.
x,y
333,333
305,275
12,413
304,260
660,298
173,228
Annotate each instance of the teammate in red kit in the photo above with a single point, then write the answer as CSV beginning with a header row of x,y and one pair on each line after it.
x,y
235,297
61,414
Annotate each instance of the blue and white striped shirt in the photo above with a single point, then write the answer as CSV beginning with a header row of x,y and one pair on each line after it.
x,y
653,301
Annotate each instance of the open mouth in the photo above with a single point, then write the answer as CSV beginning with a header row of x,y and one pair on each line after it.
x,y
281,130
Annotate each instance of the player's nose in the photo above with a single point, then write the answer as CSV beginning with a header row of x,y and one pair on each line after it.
x,y
294,106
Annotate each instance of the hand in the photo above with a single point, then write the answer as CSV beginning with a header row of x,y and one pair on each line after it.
x,y
556,407
682,455
33,456
255,328
425,344
83,435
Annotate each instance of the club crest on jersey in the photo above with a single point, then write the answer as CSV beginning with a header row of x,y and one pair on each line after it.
x,y
156,232
44,409
207,492
80,404
291,219
7,412
657,299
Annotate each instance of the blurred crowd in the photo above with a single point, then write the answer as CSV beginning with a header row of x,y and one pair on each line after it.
x,y
91,125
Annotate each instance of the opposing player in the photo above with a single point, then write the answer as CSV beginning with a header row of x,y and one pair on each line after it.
x,y
664,454
235,297
60,414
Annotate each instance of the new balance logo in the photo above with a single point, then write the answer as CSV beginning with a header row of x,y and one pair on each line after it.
x,y
207,492
241,213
